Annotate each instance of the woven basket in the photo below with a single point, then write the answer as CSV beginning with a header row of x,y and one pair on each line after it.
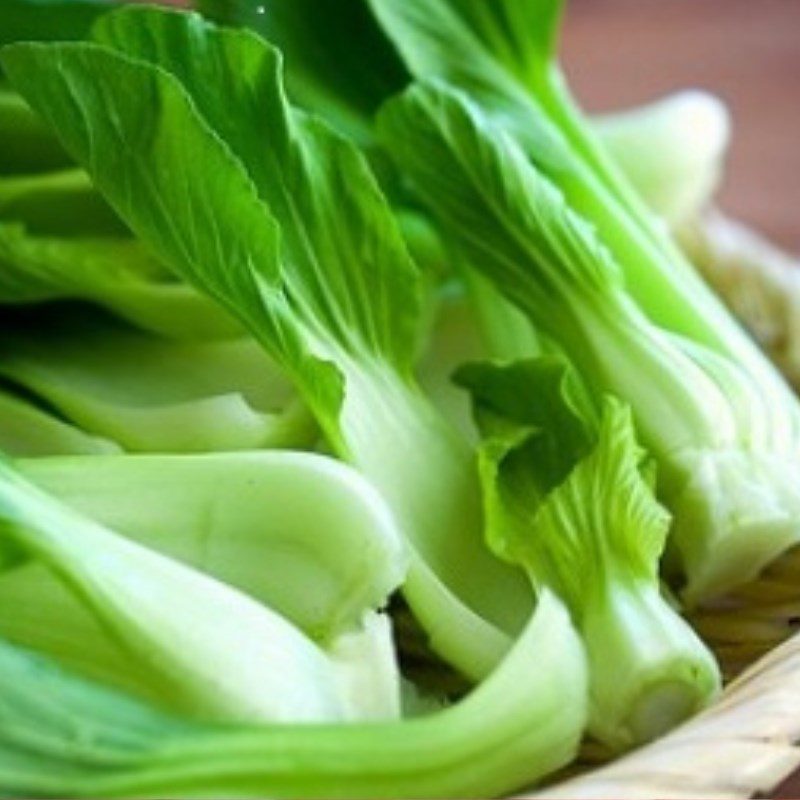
x,y
747,742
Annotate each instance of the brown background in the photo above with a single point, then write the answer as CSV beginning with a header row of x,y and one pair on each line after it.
x,y
622,52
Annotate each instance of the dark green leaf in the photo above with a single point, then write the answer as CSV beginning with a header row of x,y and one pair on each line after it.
x,y
338,62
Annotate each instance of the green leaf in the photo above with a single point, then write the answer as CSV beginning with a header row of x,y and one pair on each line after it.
x,y
517,228
61,203
493,52
115,273
361,287
26,431
702,415
338,62
540,402
284,225
601,517
584,521
179,219
26,145
156,395
304,173
61,735
481,185
47,20
187,223
513,36
470,324
706,421
445,42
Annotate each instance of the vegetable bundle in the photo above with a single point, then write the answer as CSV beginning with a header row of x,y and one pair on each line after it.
x,y
254,540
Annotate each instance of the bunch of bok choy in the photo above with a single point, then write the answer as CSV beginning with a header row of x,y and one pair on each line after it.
x,y
254,540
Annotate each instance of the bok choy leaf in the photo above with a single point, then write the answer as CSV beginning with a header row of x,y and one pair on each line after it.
x,y
726,446
135,618
150,394
28,430
276,217
246,519
570,497
115,273
62,735
504,57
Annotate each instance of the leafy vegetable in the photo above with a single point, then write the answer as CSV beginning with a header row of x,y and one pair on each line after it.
x,y
671,150
61,203
287,229
521,723
115,273
26,144
246,519
196,268
725,445
569,497
43,20
136,617
150,394
338,62
504,57
26,430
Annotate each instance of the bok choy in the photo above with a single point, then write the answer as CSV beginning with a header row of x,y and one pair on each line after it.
x,y
150,394
61,735
141,620
525,437
569,496
285,226
725,439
